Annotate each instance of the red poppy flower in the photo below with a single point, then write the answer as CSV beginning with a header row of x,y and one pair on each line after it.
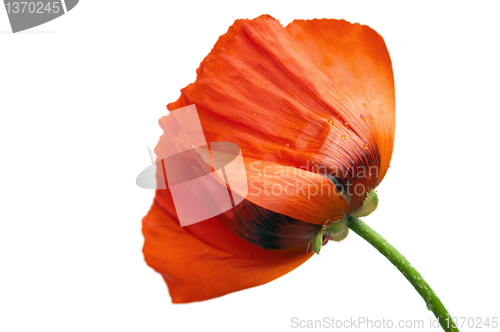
x,y
316,96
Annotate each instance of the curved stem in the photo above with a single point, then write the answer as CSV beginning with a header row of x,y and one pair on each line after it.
x,y
412,275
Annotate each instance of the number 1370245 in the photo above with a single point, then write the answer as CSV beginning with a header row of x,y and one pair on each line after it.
x,y
33,7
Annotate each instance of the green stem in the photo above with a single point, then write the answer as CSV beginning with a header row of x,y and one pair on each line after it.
x,y
412,275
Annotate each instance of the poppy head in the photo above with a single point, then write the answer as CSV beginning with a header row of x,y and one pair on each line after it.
x,y
311,105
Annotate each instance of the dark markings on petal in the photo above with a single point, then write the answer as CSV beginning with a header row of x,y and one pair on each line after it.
x,y
270,230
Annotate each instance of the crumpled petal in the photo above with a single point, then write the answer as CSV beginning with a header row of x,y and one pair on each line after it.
x,y
316,93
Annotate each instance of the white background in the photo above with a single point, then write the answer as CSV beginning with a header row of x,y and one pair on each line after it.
x,y
80,98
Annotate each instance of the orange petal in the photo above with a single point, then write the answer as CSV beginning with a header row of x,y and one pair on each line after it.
x,y
293,192
365,93
196,271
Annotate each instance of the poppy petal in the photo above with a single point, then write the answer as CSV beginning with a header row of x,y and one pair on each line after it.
x,y
195,271
367,92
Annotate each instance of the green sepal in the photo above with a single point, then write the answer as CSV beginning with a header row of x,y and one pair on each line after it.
x,y
369,205
338,230
317,241
336,227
